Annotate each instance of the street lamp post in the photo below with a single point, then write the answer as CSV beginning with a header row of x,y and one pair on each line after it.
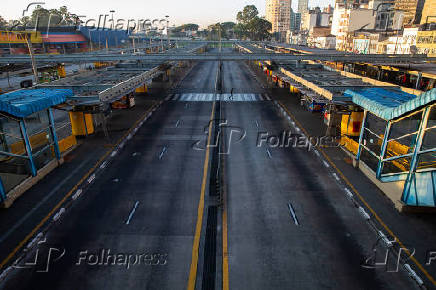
x,y
113,23
168,30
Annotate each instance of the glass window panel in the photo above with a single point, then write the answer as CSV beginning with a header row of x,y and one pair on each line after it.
x,y
13,170
375,124
406,126
429,140
41,140
397,166
372,141
432,117
402,146
369,159
62,124
427,161
38,131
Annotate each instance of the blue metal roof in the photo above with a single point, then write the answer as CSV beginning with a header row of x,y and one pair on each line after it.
x,y
23,103
113,37
389,104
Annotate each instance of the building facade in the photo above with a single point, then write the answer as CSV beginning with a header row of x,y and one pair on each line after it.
x,y
303,6
348,19
429,12
295,21
412,10
278,12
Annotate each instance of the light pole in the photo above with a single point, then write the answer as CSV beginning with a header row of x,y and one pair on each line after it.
x,y
168,30
113,23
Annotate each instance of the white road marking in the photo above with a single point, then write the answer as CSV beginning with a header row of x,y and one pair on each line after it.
x,y
269,153
132,212
91,178
413,274
59,214
77,194
178,123
114,153
103,165
326,164
348,192
257,124
336,176
364,213
293,215
385,239
162,152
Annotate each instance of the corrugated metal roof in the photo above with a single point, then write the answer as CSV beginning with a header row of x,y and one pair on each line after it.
x,y
26,102
389,104
113,37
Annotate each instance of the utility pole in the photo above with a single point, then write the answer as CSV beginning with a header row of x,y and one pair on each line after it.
x,y
219,33
168,31
90,41
32,57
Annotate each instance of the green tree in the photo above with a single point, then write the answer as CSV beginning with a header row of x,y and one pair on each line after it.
x,y
54,17
190,27
215,31
3,23
247,14
260,28
250,25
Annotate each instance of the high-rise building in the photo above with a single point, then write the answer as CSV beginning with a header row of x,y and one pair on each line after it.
x,y
303,6
429,12
412,10
295,21
278,12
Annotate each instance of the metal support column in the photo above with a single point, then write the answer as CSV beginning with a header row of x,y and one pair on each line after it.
x,y
28,147
53,133
2,191
414,161
418,80
383,149
362,130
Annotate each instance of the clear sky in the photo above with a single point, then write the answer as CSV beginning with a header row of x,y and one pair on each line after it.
x,y
203,12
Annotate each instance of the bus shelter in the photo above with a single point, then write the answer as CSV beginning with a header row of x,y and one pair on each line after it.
x,y
29,137
397,142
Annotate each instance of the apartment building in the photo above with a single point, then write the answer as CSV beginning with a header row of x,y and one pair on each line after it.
x,y
412,10
303,6
350,18
429,12
278,12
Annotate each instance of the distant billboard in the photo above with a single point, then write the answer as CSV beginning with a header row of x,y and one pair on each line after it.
x,y
361,46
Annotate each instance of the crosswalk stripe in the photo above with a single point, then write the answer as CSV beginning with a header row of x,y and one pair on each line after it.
x,y
207,97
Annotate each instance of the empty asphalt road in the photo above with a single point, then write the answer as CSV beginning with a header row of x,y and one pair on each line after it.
x,y
276,219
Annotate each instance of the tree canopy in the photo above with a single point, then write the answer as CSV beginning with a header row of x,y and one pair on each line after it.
x,y
49,17
3,22
250,25
186,27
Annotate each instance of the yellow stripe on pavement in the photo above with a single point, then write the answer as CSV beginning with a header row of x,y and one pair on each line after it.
x,y
200,211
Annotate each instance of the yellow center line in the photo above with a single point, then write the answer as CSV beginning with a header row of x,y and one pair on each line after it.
x,y
362,199
200,211
62,201
225,241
